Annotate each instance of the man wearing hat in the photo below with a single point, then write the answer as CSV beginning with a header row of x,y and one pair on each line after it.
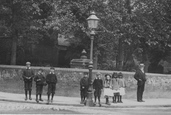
x,y
141,79
51,80
28,75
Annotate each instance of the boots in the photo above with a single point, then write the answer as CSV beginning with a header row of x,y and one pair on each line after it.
x,y
26,95
120,99
99,102
30,95
37,98
107,101
48,99
114,99
40,97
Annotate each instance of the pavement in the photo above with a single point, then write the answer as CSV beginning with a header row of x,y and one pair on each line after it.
x,y
75,101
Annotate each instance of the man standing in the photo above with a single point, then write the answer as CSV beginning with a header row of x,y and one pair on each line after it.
x,y
141,79
51,80
28,75
84,87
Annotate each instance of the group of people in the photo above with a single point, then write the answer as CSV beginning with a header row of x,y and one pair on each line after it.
x,y
113,85
50,80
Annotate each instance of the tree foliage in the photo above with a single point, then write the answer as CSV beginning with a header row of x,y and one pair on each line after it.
x,y
128,29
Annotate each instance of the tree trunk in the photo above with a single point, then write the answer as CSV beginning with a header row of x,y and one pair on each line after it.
x,y
146,59
13,51
14,36
120,55
121,45
55,56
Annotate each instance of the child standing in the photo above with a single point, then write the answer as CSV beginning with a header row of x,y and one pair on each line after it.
x,y
40,81
28,76
122,86
115,87
84,87
98,86
107,88
51,80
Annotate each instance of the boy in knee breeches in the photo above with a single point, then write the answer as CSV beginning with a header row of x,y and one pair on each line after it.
x,y
40,81
97,86
84,87
51,80
28,75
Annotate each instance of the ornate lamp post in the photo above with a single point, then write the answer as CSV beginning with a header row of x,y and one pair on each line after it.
x,y
92,24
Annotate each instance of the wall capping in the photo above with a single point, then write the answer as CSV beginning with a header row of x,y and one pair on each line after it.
x,y
78,70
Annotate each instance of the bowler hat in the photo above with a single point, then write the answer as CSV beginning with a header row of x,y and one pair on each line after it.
x,y
142,65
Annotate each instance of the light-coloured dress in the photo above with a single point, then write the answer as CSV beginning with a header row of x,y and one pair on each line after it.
x,y
122,86
107,88
115,85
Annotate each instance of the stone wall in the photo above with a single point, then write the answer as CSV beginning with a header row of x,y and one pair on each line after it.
x,y
157,85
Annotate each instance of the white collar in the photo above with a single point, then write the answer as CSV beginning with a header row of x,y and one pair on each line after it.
x,y
98,78
28,68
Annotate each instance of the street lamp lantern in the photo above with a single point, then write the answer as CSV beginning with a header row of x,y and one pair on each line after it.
x,y
92,24
93,20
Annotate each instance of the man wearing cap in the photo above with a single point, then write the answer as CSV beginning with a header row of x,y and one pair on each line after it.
x,y
28,75
141,79
51,80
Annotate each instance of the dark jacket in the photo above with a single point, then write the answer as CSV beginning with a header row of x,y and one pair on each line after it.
x,y
51,78
84,83
140,77
97,84
28,75
39,79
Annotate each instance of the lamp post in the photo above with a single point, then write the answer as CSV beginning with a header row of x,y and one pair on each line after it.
x,y
92,24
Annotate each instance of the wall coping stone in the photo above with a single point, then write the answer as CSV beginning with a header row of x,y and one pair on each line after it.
x,y
78,70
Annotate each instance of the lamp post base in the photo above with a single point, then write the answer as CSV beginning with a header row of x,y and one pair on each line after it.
x,y
89,101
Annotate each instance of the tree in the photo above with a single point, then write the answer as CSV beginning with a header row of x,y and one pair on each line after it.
x,y
16,18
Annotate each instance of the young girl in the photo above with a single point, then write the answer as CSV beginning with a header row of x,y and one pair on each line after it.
x,y
107,88
122,86
115,87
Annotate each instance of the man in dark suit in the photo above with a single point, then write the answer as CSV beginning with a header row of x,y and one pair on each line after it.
x,y
141,79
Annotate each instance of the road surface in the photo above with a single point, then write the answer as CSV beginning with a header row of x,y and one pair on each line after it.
x,y
34,108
